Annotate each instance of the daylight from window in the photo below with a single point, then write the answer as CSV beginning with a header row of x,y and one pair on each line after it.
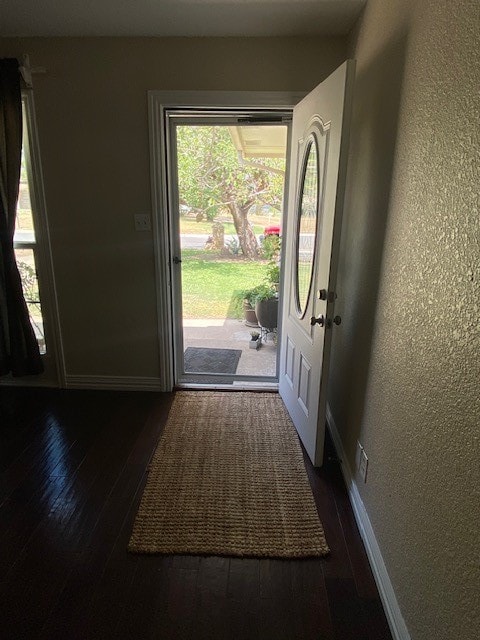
x,y
25,247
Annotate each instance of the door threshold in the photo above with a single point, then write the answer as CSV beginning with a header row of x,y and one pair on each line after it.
x,y
236,386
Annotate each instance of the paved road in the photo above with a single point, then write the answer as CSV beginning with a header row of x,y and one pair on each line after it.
x,y
197,241
194,241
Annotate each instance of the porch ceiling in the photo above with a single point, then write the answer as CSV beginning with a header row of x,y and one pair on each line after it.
x,y
260,142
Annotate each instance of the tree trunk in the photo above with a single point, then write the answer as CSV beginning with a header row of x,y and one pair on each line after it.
x,y
246,237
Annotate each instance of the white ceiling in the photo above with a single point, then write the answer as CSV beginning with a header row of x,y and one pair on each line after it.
x,y
177,17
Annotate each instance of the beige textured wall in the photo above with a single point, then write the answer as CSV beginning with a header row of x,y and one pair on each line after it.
x,y
405,365
92,121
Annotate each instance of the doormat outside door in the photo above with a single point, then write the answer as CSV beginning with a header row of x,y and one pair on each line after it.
x,y
228,478
201,361
206,360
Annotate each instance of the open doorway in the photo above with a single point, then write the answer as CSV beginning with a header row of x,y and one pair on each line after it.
x,y
317,169
227,184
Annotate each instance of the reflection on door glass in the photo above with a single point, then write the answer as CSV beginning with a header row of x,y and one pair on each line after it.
x,y
307,224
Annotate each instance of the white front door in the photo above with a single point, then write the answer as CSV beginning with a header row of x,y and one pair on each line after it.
x,y
317,175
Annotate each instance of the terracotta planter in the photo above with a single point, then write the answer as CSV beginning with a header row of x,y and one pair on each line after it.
x,y
250,315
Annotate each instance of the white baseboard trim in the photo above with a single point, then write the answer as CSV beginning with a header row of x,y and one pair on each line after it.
x,y
29,382
114,383
392,610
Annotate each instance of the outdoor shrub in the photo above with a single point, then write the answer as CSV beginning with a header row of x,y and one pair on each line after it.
x,y
271,247
273,273
233,247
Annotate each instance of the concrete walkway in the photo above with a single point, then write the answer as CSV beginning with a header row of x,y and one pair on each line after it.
x,y
217,333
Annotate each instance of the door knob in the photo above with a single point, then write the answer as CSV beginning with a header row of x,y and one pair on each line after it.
x,y
320,320
176,260
337,320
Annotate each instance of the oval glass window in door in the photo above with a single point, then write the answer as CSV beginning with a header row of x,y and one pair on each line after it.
x,y
307,223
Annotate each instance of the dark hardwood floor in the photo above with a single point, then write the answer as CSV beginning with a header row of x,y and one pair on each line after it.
x,y
72,468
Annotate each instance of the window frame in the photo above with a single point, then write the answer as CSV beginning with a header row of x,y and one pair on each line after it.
x,y
53,359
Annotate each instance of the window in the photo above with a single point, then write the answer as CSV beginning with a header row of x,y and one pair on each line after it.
x,y
25,241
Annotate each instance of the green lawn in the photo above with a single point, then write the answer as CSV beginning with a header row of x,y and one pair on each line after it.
x,y
209,285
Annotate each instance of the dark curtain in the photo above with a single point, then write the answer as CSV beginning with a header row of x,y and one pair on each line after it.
x,y
19,353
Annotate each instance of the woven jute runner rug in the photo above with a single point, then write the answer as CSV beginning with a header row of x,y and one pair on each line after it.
x,y
228,478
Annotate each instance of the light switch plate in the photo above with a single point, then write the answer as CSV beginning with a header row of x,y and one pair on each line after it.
x,y
142,222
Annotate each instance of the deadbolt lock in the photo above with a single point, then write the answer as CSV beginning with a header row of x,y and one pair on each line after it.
x,y
320,320
323,294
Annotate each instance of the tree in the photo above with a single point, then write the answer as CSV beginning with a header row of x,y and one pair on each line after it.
x,y
213,178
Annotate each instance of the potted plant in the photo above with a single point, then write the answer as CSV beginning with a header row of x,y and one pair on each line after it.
x,y
255,340
243,307
249,313
249,300
264,297
246,299
266,306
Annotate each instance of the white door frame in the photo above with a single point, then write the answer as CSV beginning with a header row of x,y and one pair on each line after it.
x,y
158,103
